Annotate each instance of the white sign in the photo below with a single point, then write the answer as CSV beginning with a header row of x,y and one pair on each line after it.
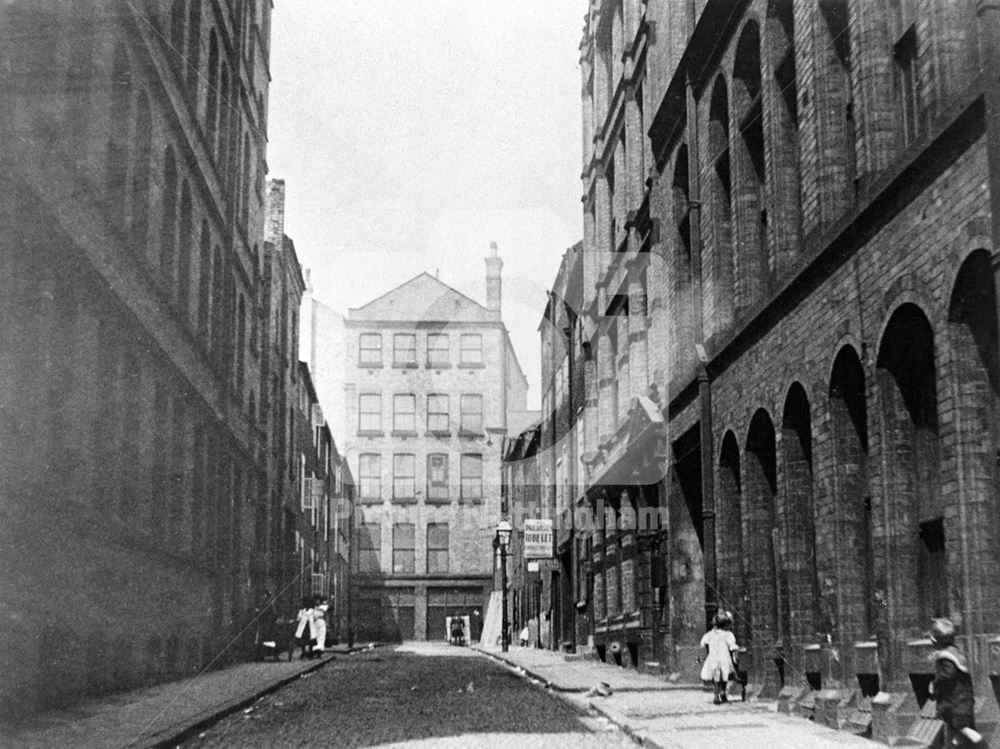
x,y
537,538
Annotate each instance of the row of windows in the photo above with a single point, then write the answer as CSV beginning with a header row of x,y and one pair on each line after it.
x,y
403,548
404,412
404,476
404,349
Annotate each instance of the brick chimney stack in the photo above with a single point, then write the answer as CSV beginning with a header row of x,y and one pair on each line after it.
x,y
493,282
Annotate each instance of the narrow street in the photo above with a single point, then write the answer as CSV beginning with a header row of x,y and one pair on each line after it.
x,y
421,694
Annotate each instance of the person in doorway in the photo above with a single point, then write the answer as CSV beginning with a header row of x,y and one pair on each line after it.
x,y
303,628
523,637
721,655
457,631
952,687
319,626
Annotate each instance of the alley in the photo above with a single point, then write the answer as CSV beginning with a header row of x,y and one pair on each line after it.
x,y
422,694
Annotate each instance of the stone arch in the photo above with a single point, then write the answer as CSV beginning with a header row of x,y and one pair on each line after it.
x,y
719,281
729,531
168,217
749,171
975,378
782,122
848,577
119,138
683,276
798,583
759,499
908,401
139,218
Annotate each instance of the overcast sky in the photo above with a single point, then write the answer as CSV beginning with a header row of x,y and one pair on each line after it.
x,y
411,133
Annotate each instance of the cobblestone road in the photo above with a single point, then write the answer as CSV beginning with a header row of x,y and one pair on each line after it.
x,y
425,695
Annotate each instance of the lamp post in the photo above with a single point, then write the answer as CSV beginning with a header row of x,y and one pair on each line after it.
x,y
501,542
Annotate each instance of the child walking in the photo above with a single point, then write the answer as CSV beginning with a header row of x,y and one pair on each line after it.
x,y
721,655
952,687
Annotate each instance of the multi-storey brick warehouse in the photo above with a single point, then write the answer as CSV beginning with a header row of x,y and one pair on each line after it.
x,y
134,158
790,211
431,388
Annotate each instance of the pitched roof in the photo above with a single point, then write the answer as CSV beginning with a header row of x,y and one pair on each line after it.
x,y
423,298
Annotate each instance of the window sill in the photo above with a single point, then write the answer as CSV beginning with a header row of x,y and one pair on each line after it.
x,y
470,501
403,433
446,365
470,365
396,365
470,435
437,501
404,500
370,500
438,433
370,433
362,365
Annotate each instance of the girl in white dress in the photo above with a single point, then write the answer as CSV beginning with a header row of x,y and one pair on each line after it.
x,y
720,655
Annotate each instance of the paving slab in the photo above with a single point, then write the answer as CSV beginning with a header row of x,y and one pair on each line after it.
x,y
669,715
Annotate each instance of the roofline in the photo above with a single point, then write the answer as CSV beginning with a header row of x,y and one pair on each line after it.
x,y
411,280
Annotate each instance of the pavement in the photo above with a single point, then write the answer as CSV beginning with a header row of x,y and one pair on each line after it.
x,y
424,695
161,715
669,715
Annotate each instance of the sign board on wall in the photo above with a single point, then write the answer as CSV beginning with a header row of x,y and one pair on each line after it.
x,y
537,538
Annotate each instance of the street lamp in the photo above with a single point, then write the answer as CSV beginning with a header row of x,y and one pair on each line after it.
x,y
501,541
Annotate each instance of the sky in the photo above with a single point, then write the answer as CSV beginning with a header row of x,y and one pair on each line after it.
x,y
412,133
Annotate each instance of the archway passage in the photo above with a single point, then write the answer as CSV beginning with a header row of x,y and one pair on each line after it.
x,y
972,322
798,586
908,392
848,577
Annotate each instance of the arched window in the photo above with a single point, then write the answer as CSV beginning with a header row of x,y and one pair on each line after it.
x,y
177,17
218,303
783,121
212,95
118,142
683,312
718,281
241,340
222,149
168,219
184,239
246,184
204,281
140,175
749,199
838,167
193,49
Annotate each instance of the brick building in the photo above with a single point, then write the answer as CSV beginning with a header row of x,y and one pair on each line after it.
x,y
789,342
432,383
134,138
320,520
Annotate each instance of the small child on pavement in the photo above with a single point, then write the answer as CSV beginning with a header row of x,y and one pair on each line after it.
x,y
721,655
952,687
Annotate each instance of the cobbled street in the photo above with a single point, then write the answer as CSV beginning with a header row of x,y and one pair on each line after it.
x,y
419,695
